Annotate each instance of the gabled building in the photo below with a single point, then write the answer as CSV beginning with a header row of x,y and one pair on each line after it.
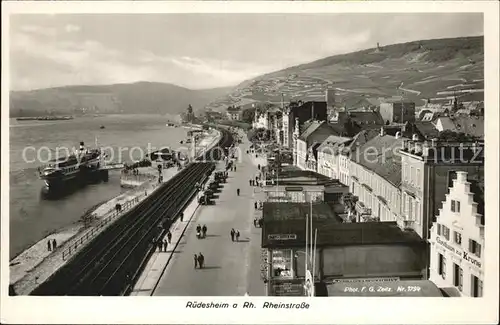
x,y
457,239
469,125
300,112
308,142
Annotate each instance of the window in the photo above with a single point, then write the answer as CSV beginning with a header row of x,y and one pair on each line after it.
x,y
458,275
417,180
412,174
457,237
455,206
417,212
442,266
446,232
439,229
474,247
477,286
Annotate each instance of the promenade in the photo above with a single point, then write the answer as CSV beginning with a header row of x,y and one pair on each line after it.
x,y
231,268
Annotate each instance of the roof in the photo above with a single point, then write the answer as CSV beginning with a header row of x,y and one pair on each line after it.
x,y
333,142
233,109
426,288
289,219
427,129
381,156
447,123
360,138
469,125
292,175
363,118
309,127
397,101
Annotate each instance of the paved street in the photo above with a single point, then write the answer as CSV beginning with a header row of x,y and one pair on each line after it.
x,y
231,268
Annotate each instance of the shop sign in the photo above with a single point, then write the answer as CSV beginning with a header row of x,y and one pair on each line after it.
x,y
282,236
289,288
462,254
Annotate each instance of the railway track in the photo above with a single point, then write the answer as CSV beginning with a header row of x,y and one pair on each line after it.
x,y
111,263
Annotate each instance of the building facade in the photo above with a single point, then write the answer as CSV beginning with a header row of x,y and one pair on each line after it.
x,y
428,169
457,240
397,111
233,113
376,179
300,112
329,156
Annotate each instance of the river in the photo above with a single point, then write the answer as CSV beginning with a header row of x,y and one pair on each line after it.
x,y
32,217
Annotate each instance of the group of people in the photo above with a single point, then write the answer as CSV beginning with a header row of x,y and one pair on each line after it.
x,y
199,260
163,244
235,235
201,232
51,245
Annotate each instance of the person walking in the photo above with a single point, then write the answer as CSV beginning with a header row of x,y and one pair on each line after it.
x,y
169,237
195,261
165,246
255,222
204,231
182,216
258,166
160,245
54,244
255,205
201,260
49,245
238,192
232,234
237,235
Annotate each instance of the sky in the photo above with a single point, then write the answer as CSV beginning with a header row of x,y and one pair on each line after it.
x,y
199,51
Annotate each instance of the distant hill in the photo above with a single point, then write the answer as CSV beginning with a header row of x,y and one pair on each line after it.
x,y
140,97
419,70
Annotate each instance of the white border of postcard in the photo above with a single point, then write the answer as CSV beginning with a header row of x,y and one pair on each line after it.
x,y
322,310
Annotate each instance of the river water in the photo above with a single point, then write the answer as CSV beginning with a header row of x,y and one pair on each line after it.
x,y
124,138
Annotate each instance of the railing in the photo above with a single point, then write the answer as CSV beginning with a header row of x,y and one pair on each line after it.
x,y
112,214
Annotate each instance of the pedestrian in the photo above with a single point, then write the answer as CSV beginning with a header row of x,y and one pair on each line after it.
x,y
238,192
255,205
195,261
182,216
49,246
204,230
169,237
250,182
237,235
201,260
160,245
165,245
258,166
255,222
54,244
198,228
234,168
232,234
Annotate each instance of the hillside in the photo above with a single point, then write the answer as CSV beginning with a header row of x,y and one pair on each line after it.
x,y
141,97
420,70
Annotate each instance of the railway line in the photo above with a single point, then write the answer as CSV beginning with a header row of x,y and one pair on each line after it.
x,y
110,264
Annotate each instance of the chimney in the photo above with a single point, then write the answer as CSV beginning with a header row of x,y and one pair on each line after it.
x,y
382,131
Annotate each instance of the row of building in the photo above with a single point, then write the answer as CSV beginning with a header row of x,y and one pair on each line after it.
x,y
391,200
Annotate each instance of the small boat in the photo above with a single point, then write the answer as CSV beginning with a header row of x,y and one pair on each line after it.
x,y
102,127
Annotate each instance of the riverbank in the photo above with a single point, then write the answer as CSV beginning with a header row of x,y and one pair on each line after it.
x,y
34,265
